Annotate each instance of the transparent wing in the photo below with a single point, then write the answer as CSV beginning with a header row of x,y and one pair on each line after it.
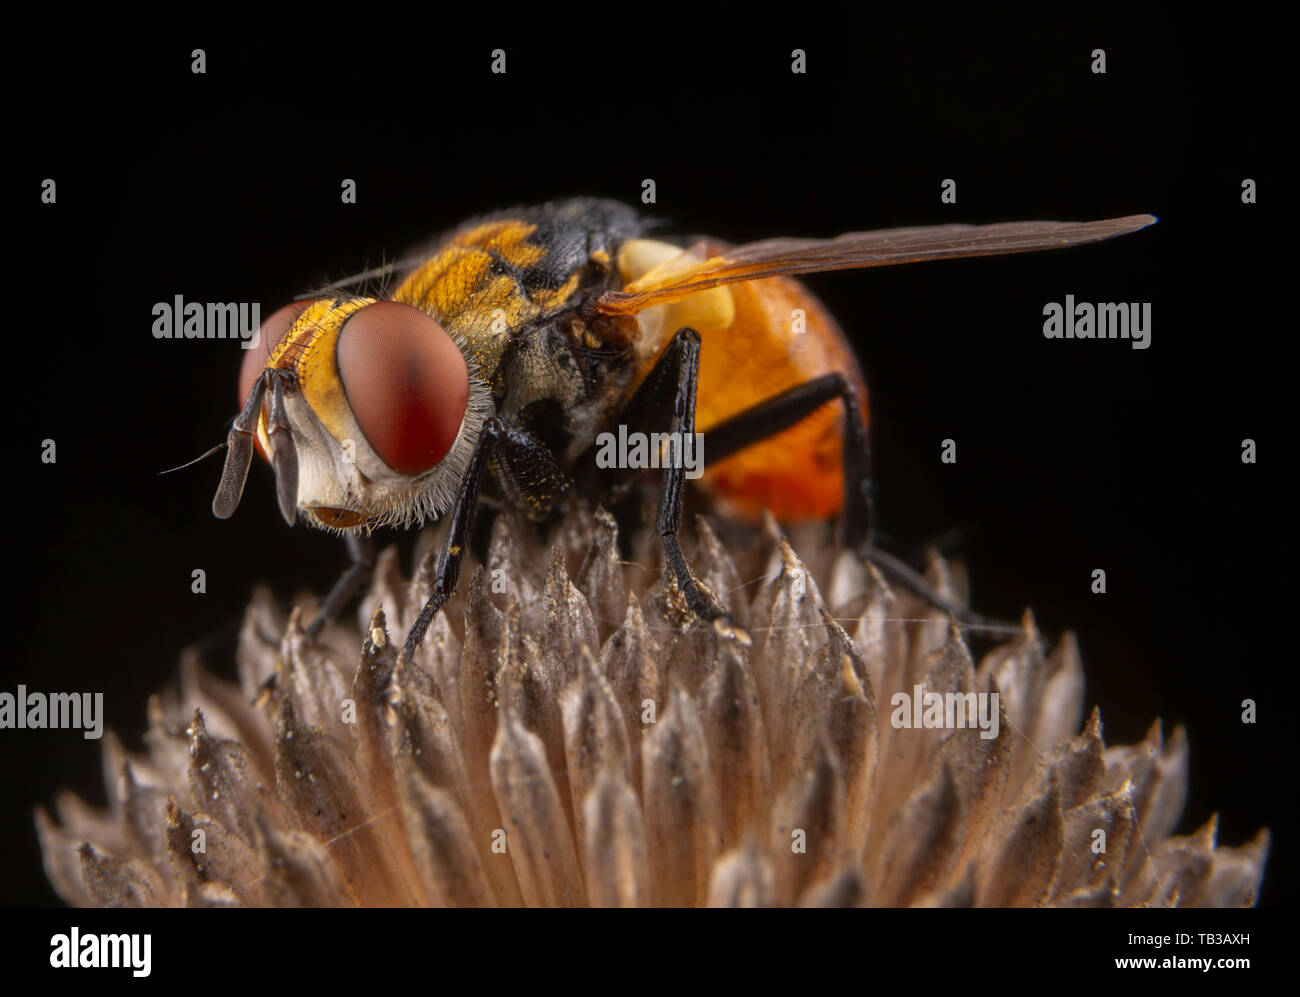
x,y
683,276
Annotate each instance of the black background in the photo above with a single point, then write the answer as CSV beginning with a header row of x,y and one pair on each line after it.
x,y
1071,455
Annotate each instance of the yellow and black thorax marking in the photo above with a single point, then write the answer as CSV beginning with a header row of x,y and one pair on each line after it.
x,y
491,266
496,277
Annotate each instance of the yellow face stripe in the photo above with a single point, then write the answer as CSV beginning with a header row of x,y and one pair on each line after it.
x,y
309,349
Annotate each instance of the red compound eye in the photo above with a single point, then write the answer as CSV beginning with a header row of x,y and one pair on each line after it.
x,y
407,384
272,331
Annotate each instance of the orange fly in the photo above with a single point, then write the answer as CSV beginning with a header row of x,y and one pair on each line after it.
x,y
523,343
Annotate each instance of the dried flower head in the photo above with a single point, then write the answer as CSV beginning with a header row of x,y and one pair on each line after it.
x,y
579,741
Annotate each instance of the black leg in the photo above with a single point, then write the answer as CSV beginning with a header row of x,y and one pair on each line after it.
x,y
458,532
900,574
670,386
361,549
782,411
530,475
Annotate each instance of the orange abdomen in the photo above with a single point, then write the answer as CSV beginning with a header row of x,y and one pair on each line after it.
x,y
797,474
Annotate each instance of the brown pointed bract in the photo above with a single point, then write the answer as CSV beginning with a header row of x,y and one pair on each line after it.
x,y
566,735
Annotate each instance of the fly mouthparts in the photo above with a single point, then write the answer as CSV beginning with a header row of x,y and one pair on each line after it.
x,y
284,455
286,491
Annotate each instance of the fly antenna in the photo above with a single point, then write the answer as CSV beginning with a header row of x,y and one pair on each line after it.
x,y
239,451
219,446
